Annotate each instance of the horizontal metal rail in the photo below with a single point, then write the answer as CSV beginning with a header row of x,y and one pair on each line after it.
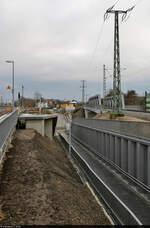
x,y
7,125
130,154
134,108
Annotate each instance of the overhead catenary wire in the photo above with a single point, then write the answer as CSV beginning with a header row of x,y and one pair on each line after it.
x,y
124,20
99,37
97,42
131,10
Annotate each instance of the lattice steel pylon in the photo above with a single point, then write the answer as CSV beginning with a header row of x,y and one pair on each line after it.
x,y
104,84
116,71
104,81
83,86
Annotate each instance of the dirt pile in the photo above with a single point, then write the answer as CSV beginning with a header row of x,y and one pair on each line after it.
x,y
106,116
40,187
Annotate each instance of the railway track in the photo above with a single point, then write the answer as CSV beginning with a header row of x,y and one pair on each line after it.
x,y
3,111
127,202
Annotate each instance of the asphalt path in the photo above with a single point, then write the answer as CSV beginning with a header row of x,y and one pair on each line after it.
x,y
61,122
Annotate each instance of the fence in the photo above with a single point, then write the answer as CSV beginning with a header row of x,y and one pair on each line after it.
x,y
7,125
130,154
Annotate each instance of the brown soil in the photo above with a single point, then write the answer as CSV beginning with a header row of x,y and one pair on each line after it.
x,y
106,116
3,112
40,187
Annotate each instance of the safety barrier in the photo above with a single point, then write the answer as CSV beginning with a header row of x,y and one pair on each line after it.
x,y
7,125
129,154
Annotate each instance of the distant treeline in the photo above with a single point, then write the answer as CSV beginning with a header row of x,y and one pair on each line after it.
x,y
131,98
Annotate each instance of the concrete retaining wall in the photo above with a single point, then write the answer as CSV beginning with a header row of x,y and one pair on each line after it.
x,y
142,115
132,128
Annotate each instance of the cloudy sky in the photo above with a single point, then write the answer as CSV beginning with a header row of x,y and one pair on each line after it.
x,y
57,43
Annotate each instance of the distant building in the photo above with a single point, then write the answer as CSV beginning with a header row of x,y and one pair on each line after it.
x,y
42,104
55,103
68,106
74,102
50,103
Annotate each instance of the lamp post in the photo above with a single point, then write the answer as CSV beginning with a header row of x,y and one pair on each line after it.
x,y
11,61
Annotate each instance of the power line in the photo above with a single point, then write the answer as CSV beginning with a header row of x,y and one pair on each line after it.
x,y
97,43
116,73
131,10
99,37
116,2
129,13
108,46
127,17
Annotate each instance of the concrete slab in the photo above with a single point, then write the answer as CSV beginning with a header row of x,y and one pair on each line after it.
x,y
37,116
43,124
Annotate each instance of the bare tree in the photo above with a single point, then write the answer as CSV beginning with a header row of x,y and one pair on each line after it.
x,y
37,96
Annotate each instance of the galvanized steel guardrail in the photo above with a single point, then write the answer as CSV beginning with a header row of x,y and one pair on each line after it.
x,y
130,154
7,125
118,208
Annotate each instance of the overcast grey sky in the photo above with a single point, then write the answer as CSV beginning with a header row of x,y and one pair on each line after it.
x,y
54,46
